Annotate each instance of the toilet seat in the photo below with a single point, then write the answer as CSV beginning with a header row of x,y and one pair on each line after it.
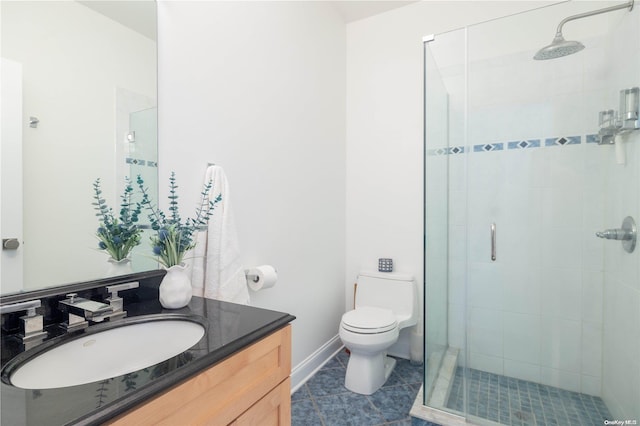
x,y
369,320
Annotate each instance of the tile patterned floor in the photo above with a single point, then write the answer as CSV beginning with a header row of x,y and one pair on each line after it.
x,y
517,402
324,401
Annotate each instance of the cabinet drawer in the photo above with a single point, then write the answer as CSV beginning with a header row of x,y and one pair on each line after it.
x,y
223,392
274,409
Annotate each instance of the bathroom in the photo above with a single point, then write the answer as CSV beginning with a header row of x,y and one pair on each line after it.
x,y
318,123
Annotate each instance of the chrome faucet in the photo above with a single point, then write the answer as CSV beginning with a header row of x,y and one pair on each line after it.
x,y
80,311
32,323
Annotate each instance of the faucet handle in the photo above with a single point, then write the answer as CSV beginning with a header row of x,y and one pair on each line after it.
x,y
32,323
628,234
28,306
114,289
116,301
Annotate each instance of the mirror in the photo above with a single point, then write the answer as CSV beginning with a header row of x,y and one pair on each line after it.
x,y
79,100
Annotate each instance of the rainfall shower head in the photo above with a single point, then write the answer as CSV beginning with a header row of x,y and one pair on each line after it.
x,y
560,47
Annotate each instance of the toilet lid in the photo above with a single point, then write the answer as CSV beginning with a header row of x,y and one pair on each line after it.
x,y
369,320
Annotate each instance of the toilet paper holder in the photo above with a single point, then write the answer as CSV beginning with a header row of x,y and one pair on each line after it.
x,y
261,277
254,274
251,275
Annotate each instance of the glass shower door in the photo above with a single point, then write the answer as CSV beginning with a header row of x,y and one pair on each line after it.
x,y
536,322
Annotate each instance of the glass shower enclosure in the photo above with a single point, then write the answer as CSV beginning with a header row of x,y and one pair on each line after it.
x,y
530,318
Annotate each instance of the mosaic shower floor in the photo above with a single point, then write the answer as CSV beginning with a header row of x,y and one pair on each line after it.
x,y
324,401
517,402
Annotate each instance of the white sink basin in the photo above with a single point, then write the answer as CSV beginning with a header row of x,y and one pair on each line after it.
x,y
109,353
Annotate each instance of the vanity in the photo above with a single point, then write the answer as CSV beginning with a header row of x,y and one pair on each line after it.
x,y
237,373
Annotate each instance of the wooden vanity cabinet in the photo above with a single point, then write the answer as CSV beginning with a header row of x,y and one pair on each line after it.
x,y
251,387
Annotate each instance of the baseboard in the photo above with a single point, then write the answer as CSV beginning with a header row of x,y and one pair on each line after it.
x,y
314,362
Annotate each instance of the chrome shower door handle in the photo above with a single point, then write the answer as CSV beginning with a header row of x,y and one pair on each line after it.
x,y
493,242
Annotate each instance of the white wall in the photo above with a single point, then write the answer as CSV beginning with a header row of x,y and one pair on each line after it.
x,y
258,88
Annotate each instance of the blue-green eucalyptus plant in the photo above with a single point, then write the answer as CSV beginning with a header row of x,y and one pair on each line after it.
x,y
173,237
118,235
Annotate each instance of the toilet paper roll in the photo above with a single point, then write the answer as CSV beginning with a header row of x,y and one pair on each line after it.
x,y
261,277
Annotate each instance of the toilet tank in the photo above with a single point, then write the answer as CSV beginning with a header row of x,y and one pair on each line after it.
x,y
389,290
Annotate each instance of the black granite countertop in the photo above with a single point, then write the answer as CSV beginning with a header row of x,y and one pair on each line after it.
x,y
229,328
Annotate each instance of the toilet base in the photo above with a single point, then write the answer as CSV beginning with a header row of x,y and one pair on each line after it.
x,y
366,374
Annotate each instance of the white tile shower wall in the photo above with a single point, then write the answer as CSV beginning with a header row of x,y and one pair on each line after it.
x,y
533,313
621,313
542,294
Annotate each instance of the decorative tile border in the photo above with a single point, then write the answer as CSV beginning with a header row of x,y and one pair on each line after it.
x,y
593,138
523,144
487,147
140,162
439,151
563,140
135,161
517,144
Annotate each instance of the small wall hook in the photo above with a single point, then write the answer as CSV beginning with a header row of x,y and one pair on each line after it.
x,y
33,122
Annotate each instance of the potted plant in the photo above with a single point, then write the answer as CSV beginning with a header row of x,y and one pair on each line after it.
x,y
119,234
174,238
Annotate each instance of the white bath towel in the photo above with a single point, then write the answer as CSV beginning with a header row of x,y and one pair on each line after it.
x,y
217,272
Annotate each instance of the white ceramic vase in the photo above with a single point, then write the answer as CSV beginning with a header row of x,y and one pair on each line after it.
x,y
118,267
175,288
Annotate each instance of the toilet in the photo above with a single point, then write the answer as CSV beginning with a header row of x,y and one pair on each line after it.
x,y
385,303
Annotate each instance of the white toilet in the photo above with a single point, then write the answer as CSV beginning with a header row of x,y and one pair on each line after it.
x,y
386,302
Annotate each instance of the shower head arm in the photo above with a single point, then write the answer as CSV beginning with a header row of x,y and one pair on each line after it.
x,y
628,5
